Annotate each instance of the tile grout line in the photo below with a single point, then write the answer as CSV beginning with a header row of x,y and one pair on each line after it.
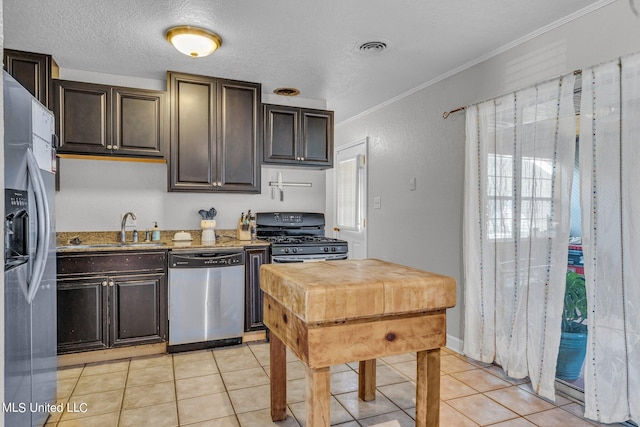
x,y
175,386
224,383
124,392
68,398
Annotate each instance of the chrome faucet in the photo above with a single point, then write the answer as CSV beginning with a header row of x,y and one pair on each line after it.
x,y
123,229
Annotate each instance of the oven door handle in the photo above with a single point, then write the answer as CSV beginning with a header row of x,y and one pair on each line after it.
x,y
308,258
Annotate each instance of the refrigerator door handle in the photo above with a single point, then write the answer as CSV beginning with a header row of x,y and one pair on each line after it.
x,y
44,225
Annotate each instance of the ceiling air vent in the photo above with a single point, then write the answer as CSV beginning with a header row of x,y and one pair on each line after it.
x,y
286,91
372,47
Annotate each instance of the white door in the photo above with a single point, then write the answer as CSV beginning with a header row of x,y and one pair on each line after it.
x,y
351,197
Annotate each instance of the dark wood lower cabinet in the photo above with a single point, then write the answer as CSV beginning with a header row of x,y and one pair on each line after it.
x,y
255,257
138,311
82,316
110,300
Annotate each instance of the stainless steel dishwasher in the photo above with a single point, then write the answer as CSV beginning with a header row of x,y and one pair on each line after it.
x,y
206,298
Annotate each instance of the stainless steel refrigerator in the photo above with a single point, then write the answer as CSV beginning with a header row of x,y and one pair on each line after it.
x,y
29,259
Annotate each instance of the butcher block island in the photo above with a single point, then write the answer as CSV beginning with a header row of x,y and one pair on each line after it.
x,y
335,312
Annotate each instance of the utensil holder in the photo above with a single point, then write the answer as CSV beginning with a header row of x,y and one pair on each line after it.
x,y
208,231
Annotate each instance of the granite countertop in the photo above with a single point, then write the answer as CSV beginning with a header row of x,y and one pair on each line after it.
x,y
94,241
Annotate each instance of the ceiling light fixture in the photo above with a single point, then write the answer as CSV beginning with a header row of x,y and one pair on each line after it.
x,y
192,41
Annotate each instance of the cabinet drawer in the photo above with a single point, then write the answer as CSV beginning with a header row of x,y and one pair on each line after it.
x,y
111,262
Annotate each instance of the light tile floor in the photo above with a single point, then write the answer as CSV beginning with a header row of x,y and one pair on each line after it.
x,y
230,388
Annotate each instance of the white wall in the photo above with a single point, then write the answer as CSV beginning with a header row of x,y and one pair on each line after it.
x,y
95,193
409,138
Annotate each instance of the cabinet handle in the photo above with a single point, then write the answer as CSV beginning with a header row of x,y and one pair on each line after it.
x,y
115,147
302,159
111,283
109,147
219,183
104,283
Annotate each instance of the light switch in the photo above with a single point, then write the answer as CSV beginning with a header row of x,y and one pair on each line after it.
x,y
412,184
377,202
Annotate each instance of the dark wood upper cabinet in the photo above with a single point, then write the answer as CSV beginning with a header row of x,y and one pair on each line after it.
x,y
192,153
139,121
239,139
298,136
83,121
317,137
34,71
215,138
101,120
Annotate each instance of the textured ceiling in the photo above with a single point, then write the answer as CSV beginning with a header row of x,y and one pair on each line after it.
x,y
307,44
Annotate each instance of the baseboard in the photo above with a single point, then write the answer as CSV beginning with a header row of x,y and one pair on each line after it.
x,y
254,336
455,344
73,359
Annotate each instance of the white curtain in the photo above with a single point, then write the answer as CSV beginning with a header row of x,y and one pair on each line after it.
x,y
610,204
520,158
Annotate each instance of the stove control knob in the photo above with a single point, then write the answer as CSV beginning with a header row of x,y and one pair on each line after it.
x,y
333,249
295,250
286,250
326,249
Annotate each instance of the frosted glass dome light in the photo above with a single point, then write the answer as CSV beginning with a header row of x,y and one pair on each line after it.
x,y
194,42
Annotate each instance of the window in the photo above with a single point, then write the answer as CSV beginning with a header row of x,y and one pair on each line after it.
x,y
532,180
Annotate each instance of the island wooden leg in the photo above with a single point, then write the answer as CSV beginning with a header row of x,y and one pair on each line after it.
x,y
278,363
367,380
317,397
428,389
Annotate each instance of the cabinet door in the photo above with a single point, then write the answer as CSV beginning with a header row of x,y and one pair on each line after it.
x,y
138,309
139,118
281,134
317,137
193,156
239,142
82,314
254,258
33,71
82,117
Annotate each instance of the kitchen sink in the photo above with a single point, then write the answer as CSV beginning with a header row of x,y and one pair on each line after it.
x,y
114,245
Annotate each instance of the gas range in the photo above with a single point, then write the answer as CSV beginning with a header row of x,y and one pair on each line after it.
x,y
298,237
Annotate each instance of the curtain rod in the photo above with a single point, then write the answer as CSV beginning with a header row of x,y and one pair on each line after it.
x,y
448,113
